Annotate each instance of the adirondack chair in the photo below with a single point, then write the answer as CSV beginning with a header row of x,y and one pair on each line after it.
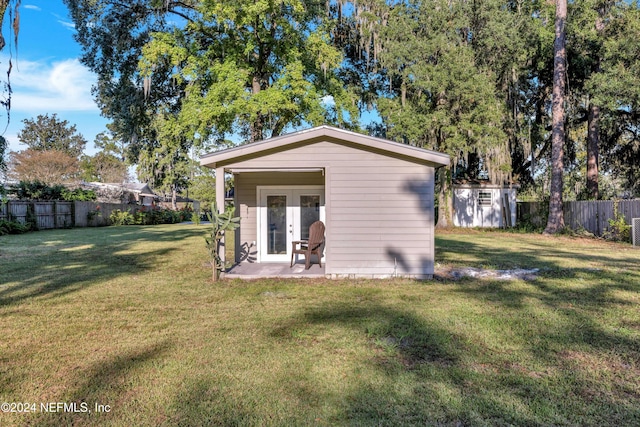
x,y
312,246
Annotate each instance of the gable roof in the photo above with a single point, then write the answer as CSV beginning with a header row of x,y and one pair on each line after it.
x,y
323,133
132,187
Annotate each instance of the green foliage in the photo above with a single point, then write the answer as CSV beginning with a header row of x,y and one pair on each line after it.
x,y
78,195
150,215
220,223
619,230
202,186
472,79
249,68
269,68
50,133
443,98
103,167
195,218
13,227
119,217
36,190
94,213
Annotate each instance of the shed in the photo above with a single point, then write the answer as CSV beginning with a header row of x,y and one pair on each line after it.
x,y
375,196
482,204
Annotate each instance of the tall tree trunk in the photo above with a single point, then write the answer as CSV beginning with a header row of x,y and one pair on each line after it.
x,y
593,123
593,137
445,199
257,125
555,222
174,197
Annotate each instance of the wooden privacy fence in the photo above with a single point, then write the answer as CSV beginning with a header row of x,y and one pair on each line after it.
x,y
49,215
45,215
92,214
592,216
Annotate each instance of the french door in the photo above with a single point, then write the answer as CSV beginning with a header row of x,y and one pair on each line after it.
x,y
285,214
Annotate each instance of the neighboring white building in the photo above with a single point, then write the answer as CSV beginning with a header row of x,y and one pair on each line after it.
x,y
481,204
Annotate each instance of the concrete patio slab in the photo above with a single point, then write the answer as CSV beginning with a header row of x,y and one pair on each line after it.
x,y
247,270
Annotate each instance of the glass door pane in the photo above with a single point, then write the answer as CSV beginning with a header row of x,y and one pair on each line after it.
x,y
277,224
309,213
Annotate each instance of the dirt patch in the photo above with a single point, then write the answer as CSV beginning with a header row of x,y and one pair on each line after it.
x,y
481,273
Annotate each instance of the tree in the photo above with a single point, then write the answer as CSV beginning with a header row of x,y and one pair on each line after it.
x,y
555,221
254,68
202,186
108,164
586,35
616,90
103,167
208,70
49,133
109,144
439,97
51,167
164,163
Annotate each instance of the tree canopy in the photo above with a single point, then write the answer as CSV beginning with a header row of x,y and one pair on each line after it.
x,y
51,167
473,79
50,133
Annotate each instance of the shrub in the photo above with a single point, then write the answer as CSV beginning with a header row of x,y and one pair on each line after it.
x,y
13,227
149,215
619,230
195,218
220,223
186,213
94,213
119,217
79,195
37,190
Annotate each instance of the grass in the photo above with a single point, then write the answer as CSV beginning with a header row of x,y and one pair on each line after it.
x,y
128,317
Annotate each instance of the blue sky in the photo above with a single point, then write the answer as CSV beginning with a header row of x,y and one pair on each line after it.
x,y
47,76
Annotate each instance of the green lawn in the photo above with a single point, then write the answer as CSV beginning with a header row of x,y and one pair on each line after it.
x,y
128,317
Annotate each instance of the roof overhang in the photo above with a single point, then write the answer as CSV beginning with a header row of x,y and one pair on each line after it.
x,y
319,134
246,170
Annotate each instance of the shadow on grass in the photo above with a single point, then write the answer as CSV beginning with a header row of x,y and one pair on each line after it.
x,y
108,385
426,377
545,254
437,376
55,263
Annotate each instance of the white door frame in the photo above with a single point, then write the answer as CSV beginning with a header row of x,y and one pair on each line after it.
x,y
293,216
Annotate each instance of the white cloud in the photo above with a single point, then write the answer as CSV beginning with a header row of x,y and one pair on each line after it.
x,y
66,24
32,7
56,87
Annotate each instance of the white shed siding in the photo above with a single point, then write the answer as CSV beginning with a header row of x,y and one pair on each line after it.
x,y
469,212
379,208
